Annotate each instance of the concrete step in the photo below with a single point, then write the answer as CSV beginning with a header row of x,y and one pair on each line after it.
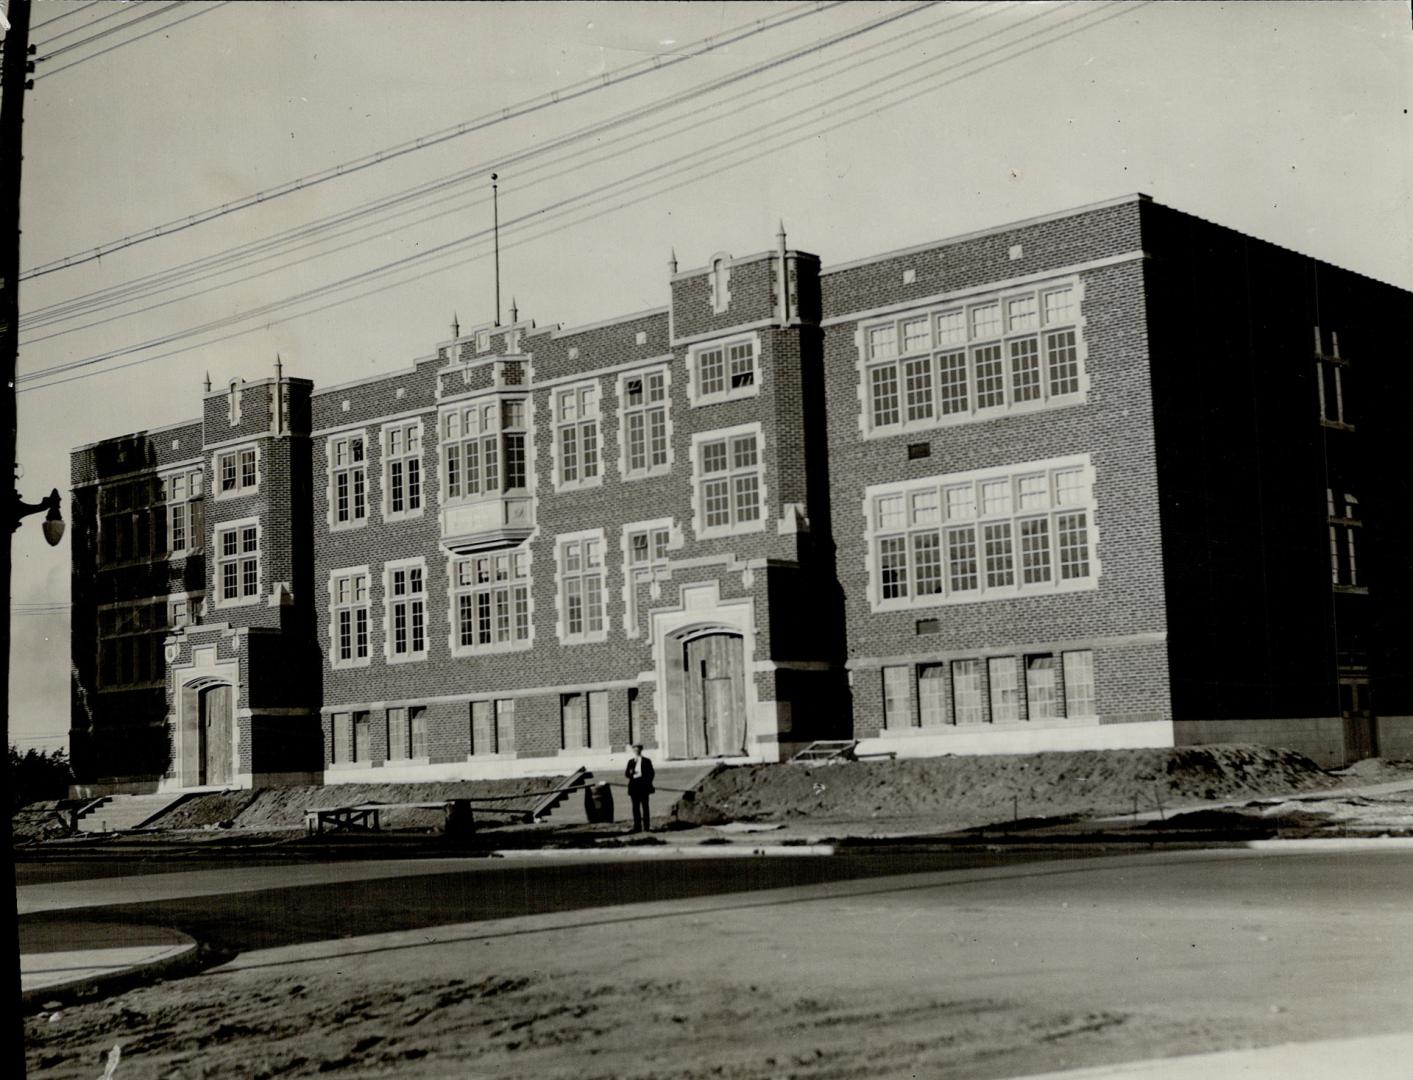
x,y
119,812
671,783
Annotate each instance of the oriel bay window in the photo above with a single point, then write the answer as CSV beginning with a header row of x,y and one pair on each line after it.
x,y
483,449
983,535
491,601
973,359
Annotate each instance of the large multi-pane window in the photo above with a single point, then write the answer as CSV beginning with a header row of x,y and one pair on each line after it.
x,y
725,371
405,598
348,617
130,643
237,471
584,720
237,563
897,705
973,359
150,517
186,524
645,547
984,535
348,480
352,737
483,449
646,448
493,726
576,422
491,601
402,469
407,732
581,588
729,483
1344,526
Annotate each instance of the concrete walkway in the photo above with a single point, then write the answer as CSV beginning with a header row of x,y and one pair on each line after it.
x,y
86,955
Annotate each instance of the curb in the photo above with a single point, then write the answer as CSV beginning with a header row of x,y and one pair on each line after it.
x,y
668,851
191,958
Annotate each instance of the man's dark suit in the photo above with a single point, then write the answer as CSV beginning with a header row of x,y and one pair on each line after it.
x,y
640,785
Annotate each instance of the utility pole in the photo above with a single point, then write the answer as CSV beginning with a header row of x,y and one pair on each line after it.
x,y
16,76
495,233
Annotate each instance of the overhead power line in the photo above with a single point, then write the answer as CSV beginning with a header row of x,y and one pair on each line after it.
x,y
756,147
261,251
205,9
119,9
122,27
73,9
379,157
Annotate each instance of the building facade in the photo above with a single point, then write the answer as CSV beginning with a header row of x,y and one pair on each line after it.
x,y
1115,477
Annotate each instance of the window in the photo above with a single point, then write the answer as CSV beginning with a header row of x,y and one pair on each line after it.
x,y
493,726
402,469
407,732
968,706
1332,383
181,609
1042,687
237,471
491,599
130,643
645,548
1004,677
730,493
1078,671
972,359
1344,525
979,536
897,705
584,721
405,597
932,694
348,481
348,617
352,738
576,418
238,563
483,449
581,589
186,524
643,427
722,371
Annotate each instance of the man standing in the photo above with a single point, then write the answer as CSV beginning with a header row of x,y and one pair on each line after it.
x,y
640,785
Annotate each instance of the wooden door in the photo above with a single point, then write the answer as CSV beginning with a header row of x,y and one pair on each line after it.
x,y
216,735
715,695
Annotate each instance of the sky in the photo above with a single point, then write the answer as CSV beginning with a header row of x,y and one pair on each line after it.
x,y
621,133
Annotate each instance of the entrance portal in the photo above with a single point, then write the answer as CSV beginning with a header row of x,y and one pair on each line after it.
x,y
214,734
715,696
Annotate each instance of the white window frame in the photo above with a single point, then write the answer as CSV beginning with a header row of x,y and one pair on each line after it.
x,y
462,574
1022,318
1346,539
352,605
191,601
409,432
182,489
219,560
698,396
353,469
565,544
243,483
733,528
392,602
1075,663
638,572
646,409
902,518
410,752
577,424
490,422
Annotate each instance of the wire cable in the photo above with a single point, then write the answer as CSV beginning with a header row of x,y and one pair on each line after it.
x,y
143,17
120,9
379,157
204,10
74,9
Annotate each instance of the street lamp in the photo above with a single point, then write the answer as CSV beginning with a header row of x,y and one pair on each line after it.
x,y
53,522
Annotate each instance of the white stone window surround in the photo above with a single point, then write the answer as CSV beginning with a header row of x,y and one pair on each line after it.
x,y
182,490
239,558
182,608
577,408
455,591
1006,478
236,457
970,347
408,433
636,573
699,529
350,437
723,346
353,605
410,599
644,377
562,543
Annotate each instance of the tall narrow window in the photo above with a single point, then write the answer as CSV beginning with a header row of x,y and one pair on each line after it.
x,y
1042,694
1078,670
1344,526
576,412
1005,689
644,423
348,480
897,706
584,721
932,694
483,728
185,522
399,747
402,469
968,707
238,563
406,600
581,589
348,620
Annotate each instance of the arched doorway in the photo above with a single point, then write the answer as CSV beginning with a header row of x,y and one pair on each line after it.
x,y
714,694
214,716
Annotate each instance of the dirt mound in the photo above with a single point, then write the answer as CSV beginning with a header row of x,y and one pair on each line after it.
x,y
274,808
199,811
955,792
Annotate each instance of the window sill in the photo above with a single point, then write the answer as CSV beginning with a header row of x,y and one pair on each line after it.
x,y
596,638
238,493
399,762
244,601
974,416
347,526
1352,590
406,658
406,515
350,665
1336,425
471,651
347,766
984,597
648,474
563,486
728,395
733,530
1010,725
